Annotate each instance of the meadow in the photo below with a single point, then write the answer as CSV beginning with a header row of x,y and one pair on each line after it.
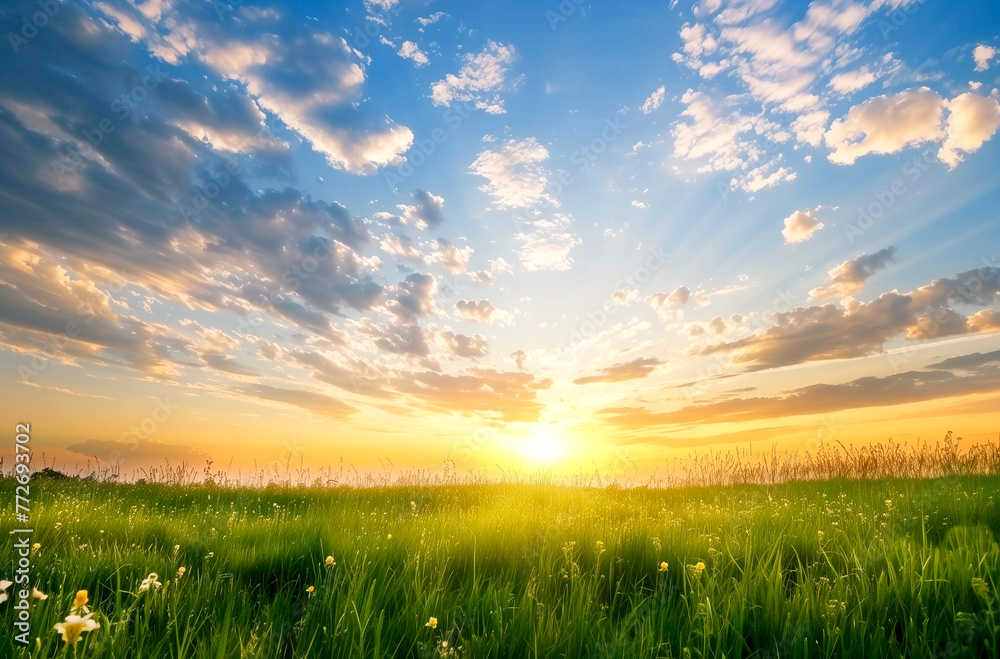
x,y
465,567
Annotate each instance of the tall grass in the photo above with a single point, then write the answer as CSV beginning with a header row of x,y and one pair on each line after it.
x,y
831,460
839,567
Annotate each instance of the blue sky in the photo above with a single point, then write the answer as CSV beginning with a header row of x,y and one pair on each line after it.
x,y
528,233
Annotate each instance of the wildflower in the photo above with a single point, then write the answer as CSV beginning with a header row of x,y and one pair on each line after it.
x,y
388,537
74,625
80,603
432,623
177,548
310,589
152,581
36,546
180,571
413,506
329,560
600,547
38,595
699,566
663,566
4,585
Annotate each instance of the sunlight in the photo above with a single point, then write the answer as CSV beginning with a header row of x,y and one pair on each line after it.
x,y
543,448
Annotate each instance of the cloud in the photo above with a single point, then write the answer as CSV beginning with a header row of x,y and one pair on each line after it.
x,y
427,213
852,81
514,174
478,311
310,79
414,296
679,297
433,18
714,138
504,396
886,124
633,370
789,72
546,243
465,346
898,389
451,258
317,403
401,247
810,128
654,101
479,81
519,357
850,276
800,226
972,119
970,362
859,329
411,51
983,54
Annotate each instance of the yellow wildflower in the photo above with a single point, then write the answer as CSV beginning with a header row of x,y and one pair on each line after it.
x,y
432,623
700,566
310,589
663,566
80,603
329,560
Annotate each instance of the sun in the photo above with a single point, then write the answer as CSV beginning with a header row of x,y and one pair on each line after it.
x,y
543,448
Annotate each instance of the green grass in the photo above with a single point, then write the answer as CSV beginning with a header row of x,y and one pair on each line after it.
x,y
835,568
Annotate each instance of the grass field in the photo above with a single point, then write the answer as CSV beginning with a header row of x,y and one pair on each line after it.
x,y
884,568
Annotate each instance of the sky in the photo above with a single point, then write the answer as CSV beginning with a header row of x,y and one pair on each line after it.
x,y
514,235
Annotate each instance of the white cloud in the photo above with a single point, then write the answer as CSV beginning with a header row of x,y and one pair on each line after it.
x,y
654,101
712,134
411,51
972,119
479,81
763,177
811,127
886,124
514,174
800,226
697,41
740,10
797,69
451,258
640,204
983,54
547,245
679,297
401,247
852,81
433,18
